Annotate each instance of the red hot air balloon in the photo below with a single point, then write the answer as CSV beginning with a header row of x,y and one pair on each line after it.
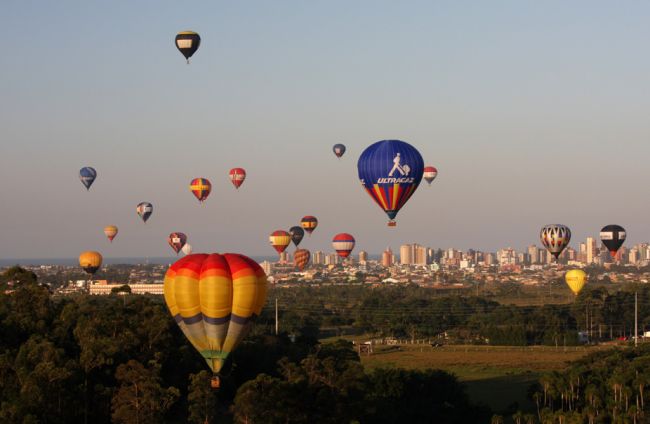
x,y
237,176
430,174
177,241
301,258
200,188
280,240
343,244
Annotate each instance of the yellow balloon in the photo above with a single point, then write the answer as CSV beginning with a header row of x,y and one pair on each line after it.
x,y
90,261
576,280
214,299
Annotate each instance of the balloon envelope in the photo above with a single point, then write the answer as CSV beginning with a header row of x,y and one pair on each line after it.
x,y
430,174
343,243
390,171
87,175
144,209
576,280
111,232
612,237
296,233
90,261
237,176
200,188
555,237
280,240
301,258
339,150
309,223
214,298
187,42
177,241
187,249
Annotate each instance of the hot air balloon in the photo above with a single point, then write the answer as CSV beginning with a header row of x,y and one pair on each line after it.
x,y
575,279
177,241
111,232
555,238
187,249
296,233
309,223
612,237
343,244
339,150
90,261
301,258
430,174
237,176
214,298
280,240
201,188
390,171
187,42
144,209
87,176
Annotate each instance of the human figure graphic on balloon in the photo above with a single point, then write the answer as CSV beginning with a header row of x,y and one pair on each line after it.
x,y
404,170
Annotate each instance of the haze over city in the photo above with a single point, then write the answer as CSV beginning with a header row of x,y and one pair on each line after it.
x,y
532,113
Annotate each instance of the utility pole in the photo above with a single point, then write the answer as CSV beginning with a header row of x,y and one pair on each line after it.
x,y
276,316
636,319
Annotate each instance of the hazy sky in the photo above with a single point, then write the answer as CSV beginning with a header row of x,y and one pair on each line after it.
x,y
533,113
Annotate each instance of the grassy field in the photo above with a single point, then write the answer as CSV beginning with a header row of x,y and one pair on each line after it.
x,y
494,375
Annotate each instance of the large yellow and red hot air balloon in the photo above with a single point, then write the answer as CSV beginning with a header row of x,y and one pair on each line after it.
x,y
214,298
111,232
90,261
280,240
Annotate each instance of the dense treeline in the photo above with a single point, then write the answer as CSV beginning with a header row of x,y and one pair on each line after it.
x,y
411,312
121,358
604,387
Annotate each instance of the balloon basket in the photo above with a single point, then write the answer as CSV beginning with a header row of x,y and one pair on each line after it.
x,y
392,224
215,382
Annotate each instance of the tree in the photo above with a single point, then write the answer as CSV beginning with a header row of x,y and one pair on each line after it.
x,y
141,399
202,399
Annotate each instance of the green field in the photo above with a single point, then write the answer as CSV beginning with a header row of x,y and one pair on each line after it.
x,y
494,375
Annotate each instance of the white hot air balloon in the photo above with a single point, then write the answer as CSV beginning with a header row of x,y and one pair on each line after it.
x,y
187,249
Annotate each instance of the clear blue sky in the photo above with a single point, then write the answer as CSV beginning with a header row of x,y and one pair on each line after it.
x,y
533,112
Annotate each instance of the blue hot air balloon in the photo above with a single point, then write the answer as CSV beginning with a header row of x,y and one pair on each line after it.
x,y
390,171
87,176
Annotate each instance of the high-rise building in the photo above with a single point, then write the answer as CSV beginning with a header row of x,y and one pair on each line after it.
x,y
592,250
284,257
267,267
533,256
317,258
332,259
419,254
363,257
633,256
387,258
405,257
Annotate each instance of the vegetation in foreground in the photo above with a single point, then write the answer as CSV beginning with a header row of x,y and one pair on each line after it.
x,y
122,359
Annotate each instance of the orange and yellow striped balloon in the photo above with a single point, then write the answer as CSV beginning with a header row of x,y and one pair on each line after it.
x,y
301,258
214,298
